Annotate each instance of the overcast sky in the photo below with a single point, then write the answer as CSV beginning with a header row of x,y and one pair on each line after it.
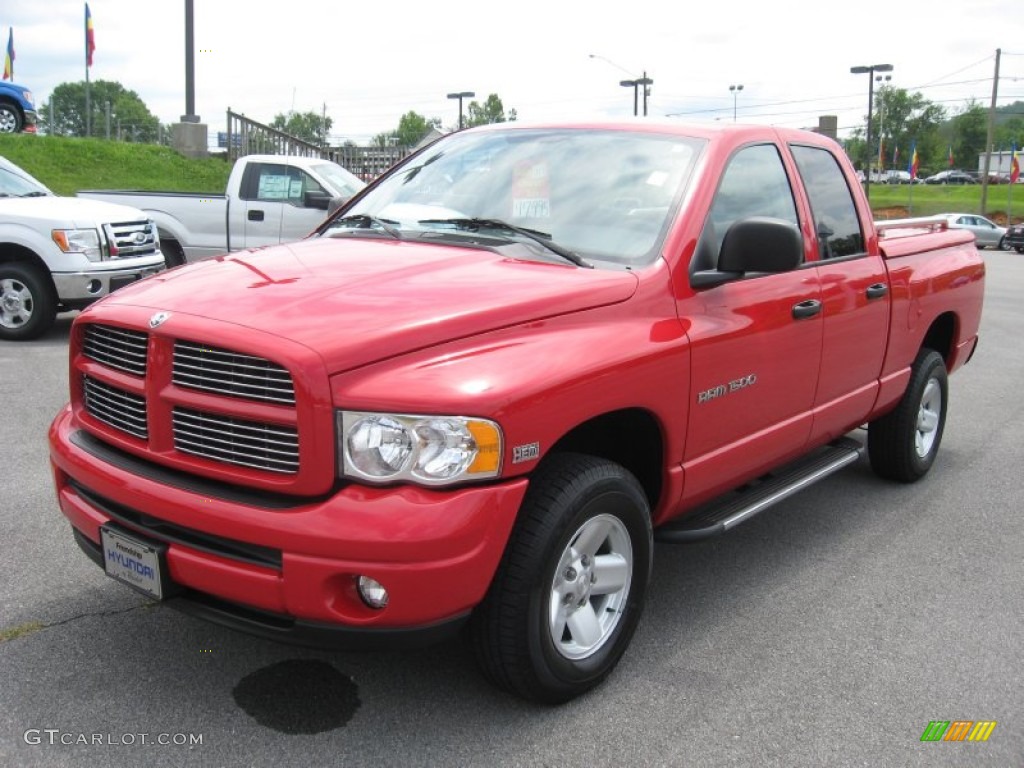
x,y
369,63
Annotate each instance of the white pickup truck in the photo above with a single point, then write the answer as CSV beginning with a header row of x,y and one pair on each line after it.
x,y
60,253
269,199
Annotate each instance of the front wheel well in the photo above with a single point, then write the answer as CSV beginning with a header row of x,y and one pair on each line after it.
x,y
631,438
19,254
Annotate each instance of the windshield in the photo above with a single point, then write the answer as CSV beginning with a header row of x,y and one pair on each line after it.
x,y
604,195
16,185
345,184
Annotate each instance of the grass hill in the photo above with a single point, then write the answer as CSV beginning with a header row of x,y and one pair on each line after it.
x,y
67,165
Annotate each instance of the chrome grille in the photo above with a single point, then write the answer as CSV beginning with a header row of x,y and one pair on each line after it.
x,y
131,238
270,447
210,369
116,347
122,410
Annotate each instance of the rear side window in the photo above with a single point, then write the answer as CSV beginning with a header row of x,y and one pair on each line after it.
x,y
835,215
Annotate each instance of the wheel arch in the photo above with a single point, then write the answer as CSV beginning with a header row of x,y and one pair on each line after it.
x,y
942,335
632,438
12,253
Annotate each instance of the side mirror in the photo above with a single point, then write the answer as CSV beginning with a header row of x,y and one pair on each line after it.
x,y
761,244
314,198
336,203
757,244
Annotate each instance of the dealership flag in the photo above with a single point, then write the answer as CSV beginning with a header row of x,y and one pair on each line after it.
x,y
9,58
90,37
1014,166
950,155
913,161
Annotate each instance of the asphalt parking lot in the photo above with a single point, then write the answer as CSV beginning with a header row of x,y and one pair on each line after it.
x,y
827,632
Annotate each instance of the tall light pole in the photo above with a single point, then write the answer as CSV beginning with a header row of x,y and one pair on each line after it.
x,y
735,89
870,72
881,121
460,96
633,83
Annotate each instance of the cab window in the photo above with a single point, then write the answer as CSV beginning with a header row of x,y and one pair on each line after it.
x,y
835,214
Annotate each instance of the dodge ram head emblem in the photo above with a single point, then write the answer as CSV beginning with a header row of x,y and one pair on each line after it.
x,y
158,319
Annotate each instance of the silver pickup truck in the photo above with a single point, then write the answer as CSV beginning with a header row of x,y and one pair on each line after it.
x,y
269,199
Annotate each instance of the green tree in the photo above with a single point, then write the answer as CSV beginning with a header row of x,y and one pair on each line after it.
x,y
491,111
901,119
970,132
130,119
412,127
308,126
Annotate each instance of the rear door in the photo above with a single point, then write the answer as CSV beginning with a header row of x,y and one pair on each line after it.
x,y
755,342
855,294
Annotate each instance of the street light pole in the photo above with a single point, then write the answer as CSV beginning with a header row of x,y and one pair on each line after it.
x,y
460,96
870,72
735,89
881,120
633,83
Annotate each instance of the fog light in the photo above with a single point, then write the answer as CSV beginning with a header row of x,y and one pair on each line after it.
x,y
372,592
95,286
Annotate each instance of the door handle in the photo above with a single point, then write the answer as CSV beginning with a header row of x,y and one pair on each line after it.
x,y
877,291
808,308
255,215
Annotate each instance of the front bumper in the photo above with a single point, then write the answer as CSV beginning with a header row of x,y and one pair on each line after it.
x,y
288,568
88,286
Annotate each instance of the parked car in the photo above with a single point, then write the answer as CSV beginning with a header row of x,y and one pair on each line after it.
x,y
987,233
951,177
474,392
897,177
1015,238
62,253
17,109
269,199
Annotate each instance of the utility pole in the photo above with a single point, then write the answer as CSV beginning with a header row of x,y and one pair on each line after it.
x,y
991,135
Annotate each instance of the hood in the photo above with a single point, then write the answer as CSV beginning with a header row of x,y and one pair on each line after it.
x,y
68,212
356,301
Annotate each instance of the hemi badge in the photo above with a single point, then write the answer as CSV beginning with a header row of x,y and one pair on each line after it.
x,y
529,452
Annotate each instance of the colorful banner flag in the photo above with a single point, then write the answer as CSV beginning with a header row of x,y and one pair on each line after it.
x,y
913,161
895,156
1014,166
950,155
90,37
9,58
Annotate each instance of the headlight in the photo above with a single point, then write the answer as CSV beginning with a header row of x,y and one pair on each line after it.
x,y
429,450
86,241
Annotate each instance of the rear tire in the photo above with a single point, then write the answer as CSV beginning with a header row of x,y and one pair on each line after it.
x,y
570,588
28,306
902,445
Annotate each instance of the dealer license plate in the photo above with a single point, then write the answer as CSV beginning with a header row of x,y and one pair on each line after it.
x,y
133,561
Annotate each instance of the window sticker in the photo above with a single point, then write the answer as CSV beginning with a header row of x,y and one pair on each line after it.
x,y
531,197
272,187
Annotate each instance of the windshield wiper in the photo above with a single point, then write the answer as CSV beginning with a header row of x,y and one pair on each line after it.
x,y
364,221
544,238
33,194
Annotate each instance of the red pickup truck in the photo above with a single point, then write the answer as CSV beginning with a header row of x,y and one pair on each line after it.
x,y
477,394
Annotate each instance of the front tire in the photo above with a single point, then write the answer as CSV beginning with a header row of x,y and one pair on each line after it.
x,y
10,118
174,254
28,306
570,588
902,445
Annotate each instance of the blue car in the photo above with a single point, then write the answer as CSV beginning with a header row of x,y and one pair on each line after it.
x,y
17,109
